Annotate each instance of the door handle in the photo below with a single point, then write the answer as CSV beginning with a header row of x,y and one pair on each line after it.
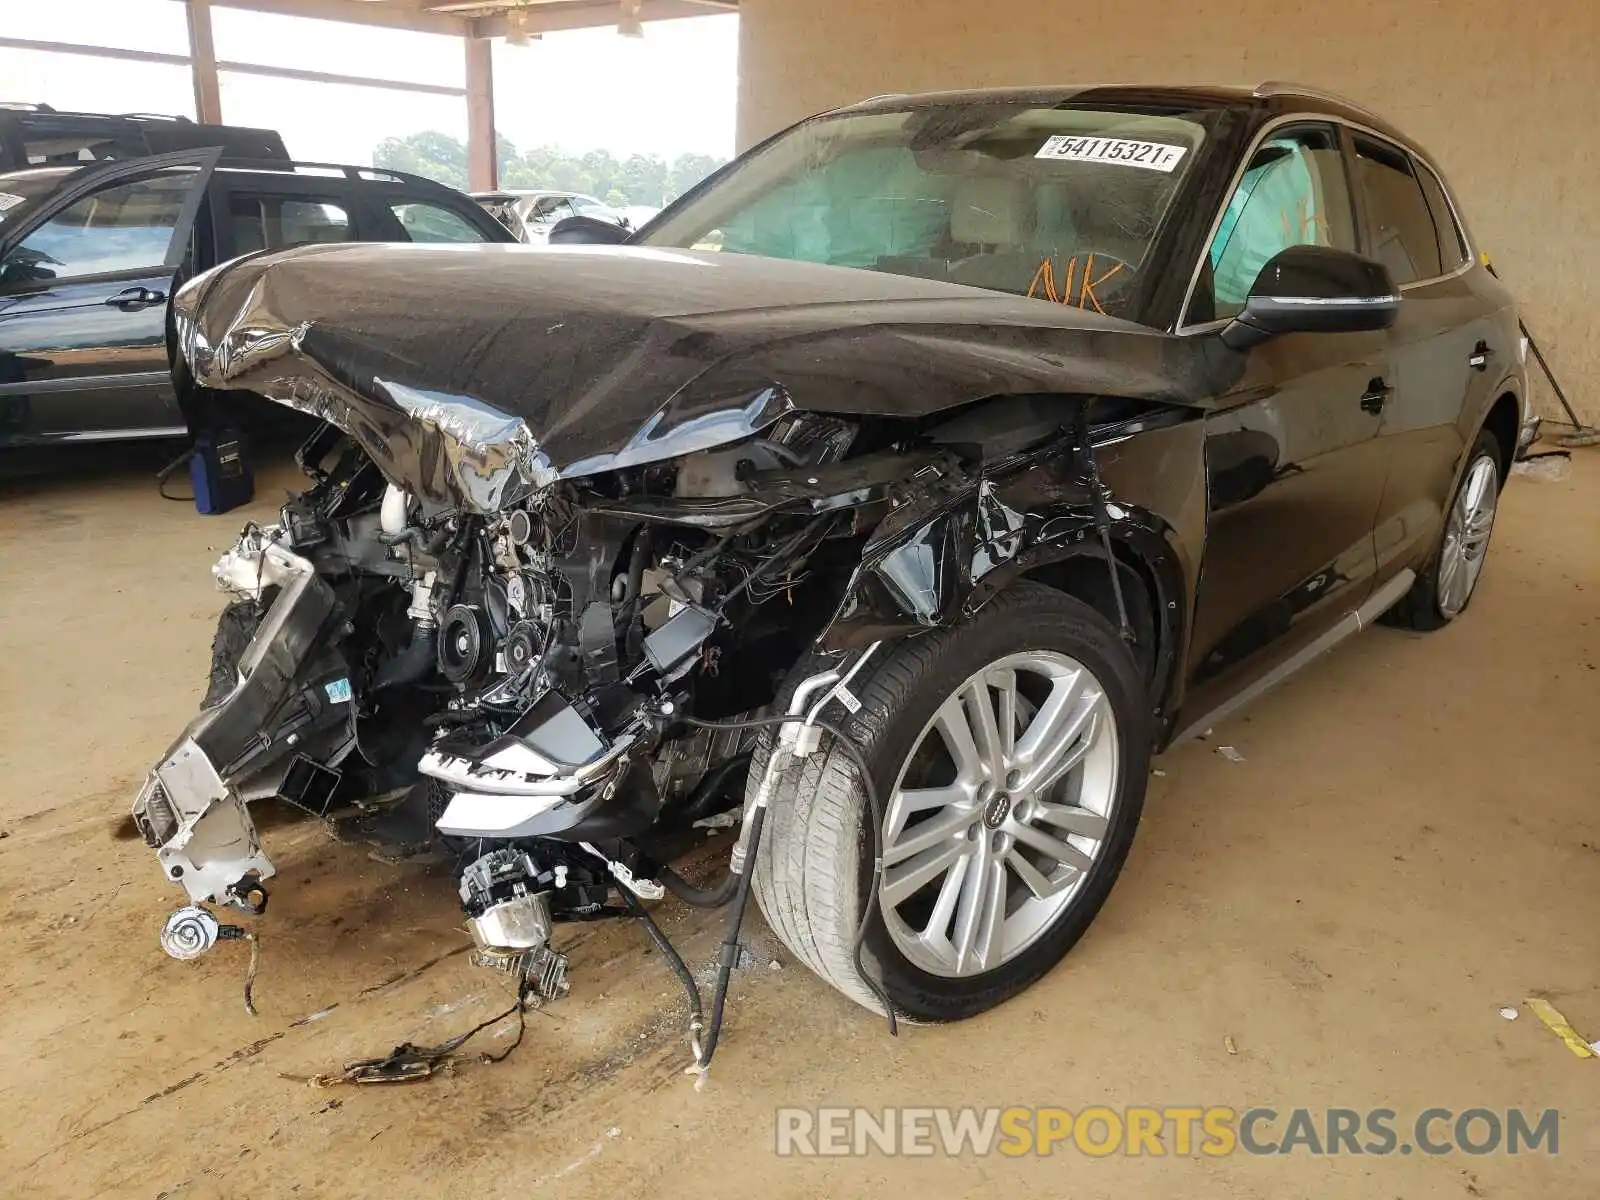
x,y
133,298
1478,360
1376,396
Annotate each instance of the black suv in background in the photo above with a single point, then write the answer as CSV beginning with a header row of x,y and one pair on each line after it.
x,y
90,256
36,135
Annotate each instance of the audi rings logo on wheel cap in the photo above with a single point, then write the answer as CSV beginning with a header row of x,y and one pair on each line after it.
x,y
997,810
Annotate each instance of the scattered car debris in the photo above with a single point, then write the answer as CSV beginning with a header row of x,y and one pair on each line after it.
x,y
1509,1012
1229,1044
1230,753
1552,467
1558,1025
408,1062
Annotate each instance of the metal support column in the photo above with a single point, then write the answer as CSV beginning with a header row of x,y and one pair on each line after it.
x,y
203,63
483,172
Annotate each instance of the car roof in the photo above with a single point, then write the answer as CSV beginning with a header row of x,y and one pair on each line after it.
x,y
528,194
1265,100
282,175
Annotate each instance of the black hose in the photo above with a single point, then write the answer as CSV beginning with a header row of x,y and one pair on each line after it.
x,y
699,897
171,469
729,954
709,791
674,959
703,802
409,534
874,806
412,663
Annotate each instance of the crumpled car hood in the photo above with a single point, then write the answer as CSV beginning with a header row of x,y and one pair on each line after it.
x,y
474,375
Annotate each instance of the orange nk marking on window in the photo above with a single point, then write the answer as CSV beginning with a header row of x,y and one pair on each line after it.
x,y
1044,283
1087,296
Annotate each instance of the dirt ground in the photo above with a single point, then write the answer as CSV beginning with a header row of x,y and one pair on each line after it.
x,y
1411,841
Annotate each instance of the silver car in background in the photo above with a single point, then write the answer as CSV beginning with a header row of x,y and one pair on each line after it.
x,y
532,214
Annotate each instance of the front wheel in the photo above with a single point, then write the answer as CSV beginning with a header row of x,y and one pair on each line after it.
x,y
1011,753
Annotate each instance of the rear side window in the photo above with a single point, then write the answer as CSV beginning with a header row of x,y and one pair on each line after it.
x,y
267,222
427,222
1401,227
124,227
1453,250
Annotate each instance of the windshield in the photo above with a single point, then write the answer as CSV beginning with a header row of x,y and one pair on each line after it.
x,y
1062,204
20,187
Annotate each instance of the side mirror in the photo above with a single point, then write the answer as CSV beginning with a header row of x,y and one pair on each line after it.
x,y
1315,289
586,231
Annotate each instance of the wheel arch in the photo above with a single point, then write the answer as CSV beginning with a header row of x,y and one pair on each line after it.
x,y
1152,593
1504,420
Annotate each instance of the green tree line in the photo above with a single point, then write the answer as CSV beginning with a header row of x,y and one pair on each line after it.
x,y
637,179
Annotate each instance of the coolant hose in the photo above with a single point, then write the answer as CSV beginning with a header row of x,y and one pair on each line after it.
x,y
412,663
702,802
670,953
699,897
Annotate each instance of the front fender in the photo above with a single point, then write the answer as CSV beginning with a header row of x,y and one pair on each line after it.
x,y
961,538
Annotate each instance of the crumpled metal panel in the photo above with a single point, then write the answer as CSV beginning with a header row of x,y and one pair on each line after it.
x,y
474,375
451,449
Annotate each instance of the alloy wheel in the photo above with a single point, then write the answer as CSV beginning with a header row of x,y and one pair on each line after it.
x,y
999,813
1466,536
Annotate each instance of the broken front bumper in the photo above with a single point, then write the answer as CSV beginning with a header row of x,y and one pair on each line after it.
x,y
189,810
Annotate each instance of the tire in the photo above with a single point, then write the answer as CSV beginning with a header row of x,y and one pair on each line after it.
x,y
1434,599
814,866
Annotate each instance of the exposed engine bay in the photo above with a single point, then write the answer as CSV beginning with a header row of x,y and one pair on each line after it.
x,y
526,665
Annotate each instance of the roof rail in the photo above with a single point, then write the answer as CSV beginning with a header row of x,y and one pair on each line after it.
x,y
1284,87
144,116
286,166
24,106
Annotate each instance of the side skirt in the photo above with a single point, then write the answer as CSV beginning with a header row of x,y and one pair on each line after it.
x,y
1375,606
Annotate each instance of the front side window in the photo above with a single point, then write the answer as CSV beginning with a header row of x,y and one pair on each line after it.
x,y
425,222
1293,193
268,222
1063,204
1401,227
122,227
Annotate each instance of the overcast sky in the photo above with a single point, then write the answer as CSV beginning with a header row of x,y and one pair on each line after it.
x,y
669,92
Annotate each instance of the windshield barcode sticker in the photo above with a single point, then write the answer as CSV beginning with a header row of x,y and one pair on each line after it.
x,y
1152,156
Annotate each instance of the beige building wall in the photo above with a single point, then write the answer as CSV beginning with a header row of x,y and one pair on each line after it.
x,y
1505,94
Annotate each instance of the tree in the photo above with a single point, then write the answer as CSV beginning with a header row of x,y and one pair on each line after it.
x,y
430,153
639,179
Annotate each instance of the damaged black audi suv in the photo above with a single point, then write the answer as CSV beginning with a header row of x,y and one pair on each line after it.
x,y
900,490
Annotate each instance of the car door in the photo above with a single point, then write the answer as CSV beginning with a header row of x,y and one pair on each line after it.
x,y
1441,346
84,284
1293,466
